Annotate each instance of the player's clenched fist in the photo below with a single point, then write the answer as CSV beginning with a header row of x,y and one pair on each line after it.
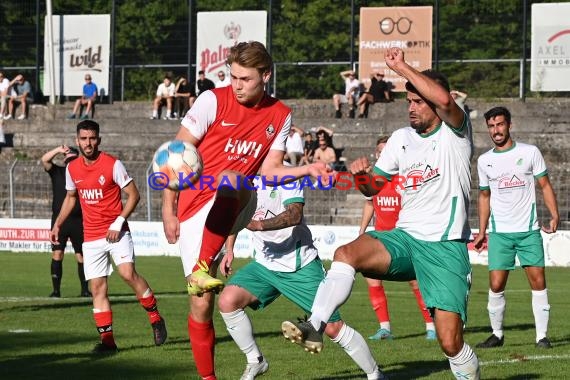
x,y
360,166
394,56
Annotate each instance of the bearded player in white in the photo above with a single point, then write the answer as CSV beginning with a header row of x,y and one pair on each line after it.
x,y
507,197
429,241
285,263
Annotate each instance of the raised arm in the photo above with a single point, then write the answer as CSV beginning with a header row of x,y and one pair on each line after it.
x,y
49,156
429,89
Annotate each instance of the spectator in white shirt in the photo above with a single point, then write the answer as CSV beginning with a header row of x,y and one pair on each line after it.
x,y
350,96
164,95
223,79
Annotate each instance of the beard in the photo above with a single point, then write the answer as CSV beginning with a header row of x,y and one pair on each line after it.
x,y
501,143
419,126
92,155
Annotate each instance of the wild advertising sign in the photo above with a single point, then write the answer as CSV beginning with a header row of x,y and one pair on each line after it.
x,y
81,46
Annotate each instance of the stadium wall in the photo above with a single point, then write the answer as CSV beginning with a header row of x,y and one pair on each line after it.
x,y
32,235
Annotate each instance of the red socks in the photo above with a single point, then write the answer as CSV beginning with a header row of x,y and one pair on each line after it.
x,y
202,341
104,323
219,223
379,303
149,304
422,306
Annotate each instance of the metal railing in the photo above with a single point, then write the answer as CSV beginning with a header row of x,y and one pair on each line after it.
x,y
123,72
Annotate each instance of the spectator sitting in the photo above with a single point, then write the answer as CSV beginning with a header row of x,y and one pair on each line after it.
x,y
88,98
4,87
21,93
224,80
203,83
294,145
325,153
164,94
378,92
326,133
309,149
184,96
352,87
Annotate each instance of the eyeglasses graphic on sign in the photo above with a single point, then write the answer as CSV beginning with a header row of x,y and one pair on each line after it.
x,y
403,25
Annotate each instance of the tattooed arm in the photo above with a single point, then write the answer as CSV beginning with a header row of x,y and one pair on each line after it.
x,y
292,216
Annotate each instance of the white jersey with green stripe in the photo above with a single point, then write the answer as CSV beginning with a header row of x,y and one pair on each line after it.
x,y
510,175
433,171
287,249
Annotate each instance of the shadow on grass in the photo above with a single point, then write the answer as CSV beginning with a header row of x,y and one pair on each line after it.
x,y
67,305
24,356
408,370
507,328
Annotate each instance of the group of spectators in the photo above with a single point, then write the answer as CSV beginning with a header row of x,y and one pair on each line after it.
x,y
315,148
180,97
13,93
357,96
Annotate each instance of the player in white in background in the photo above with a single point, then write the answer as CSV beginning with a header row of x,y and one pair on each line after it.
x,y
432,229
98,179
507,196
285,263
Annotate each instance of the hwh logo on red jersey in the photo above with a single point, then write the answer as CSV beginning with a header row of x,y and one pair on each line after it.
x,y
242,147
388,201
91,194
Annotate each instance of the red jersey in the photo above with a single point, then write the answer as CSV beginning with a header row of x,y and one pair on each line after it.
x,y
99,191
387,205
232,137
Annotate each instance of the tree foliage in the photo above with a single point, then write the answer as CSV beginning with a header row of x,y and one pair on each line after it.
x,y
155,32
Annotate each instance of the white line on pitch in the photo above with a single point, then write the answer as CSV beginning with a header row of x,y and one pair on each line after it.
x,y
524,358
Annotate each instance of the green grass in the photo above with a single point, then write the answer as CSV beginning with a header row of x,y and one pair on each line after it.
x,y
58,334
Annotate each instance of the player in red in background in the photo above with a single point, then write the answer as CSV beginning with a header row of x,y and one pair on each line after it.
x,y
97,179
240,131
386,205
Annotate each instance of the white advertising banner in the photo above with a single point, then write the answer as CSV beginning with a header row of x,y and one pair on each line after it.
x,y
550,47
32,235
81,46
217,32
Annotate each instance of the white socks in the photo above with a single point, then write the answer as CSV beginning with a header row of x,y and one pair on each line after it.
x,y
496,307
239,326
333,291
465,364
355,346
541,311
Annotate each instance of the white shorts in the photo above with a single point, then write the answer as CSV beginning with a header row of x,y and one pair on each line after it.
x,y
96,260
192,230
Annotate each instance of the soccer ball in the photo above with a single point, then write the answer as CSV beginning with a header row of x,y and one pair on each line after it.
x,y
177,165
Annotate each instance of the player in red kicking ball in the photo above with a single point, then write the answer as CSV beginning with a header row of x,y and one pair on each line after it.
x,y
240,131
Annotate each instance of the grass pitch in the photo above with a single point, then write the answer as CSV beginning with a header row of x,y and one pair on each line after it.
x,y
43,338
